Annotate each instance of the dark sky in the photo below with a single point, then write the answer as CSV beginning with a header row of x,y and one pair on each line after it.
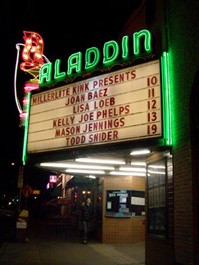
x,y
66,27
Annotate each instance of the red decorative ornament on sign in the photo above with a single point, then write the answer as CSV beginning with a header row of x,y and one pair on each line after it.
x,y
32,53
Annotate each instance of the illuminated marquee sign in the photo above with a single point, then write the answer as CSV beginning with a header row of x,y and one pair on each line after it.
x,y
119,106
112,51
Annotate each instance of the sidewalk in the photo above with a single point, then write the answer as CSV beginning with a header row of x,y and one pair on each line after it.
x,y
55,246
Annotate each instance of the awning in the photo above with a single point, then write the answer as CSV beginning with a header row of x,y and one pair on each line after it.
x,y
57,191
80,182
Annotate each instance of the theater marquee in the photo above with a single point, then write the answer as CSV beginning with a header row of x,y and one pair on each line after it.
x,y
119,106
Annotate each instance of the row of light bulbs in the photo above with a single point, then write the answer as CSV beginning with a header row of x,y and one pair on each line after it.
x,y
109,167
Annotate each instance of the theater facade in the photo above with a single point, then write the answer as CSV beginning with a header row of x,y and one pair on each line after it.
x,y
126,115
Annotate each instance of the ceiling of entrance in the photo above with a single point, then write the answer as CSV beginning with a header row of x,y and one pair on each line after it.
x,y
120,162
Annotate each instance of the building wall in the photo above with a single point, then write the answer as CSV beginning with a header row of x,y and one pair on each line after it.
x,y
122,230
178,22
183,47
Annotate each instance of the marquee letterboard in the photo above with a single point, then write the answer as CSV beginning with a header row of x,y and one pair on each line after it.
x,y
120,106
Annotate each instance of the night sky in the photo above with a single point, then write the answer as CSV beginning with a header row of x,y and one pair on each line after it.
x,y
65,30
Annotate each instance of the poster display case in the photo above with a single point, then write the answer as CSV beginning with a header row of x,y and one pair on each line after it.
x,y
125,203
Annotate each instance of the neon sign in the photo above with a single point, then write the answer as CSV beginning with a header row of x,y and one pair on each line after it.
x,y
79,62
32,56
32,53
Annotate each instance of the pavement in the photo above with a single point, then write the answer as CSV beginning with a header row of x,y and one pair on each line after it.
x,y
48,244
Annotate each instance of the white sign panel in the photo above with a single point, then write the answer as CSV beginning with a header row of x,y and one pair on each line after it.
x,y
119,106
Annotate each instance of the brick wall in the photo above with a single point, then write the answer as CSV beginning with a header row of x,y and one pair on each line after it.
x,y
183,26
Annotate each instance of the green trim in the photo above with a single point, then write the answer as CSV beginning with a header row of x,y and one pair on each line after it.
x,y
166,97
25,140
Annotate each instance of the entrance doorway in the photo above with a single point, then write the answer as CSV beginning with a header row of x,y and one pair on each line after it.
x,y
123,171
